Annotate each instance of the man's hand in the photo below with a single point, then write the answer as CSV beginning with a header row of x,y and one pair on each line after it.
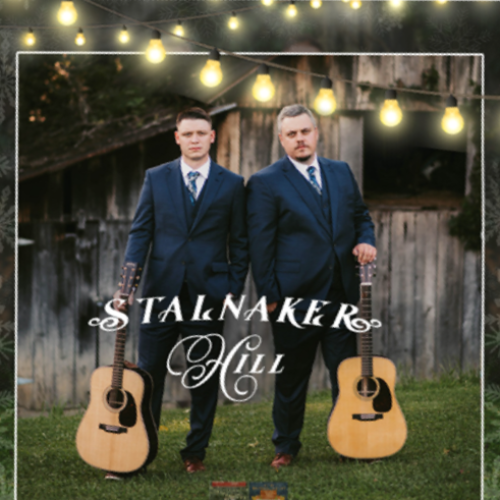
x,y
365,253
271,307
122,307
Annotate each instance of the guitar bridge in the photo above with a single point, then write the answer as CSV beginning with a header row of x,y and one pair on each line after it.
x,y
367,416
115,429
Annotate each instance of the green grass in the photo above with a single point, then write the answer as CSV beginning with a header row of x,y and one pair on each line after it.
x,y
440,459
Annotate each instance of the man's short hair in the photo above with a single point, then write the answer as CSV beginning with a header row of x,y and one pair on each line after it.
x,y
294,110
193,114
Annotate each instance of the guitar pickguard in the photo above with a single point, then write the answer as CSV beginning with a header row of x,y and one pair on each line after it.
x,y
128,416
383,401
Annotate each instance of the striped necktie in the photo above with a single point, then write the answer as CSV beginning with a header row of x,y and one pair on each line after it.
x,y
192,176
313,180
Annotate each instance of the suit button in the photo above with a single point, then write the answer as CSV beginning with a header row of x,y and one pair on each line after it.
x,y
183,263
330,267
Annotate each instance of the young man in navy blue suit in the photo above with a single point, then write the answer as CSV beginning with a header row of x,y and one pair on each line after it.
x,y
191,217
306,224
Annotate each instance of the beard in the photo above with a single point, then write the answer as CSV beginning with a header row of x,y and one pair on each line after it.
x,y
304,158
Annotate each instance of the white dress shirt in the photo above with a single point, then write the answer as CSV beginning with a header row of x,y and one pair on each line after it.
x,y
303,169
204,170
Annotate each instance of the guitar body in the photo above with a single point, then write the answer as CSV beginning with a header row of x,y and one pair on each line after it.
x,y
366,427
118,439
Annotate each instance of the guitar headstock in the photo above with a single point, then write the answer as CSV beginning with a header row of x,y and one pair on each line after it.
x,y
367,272
130,279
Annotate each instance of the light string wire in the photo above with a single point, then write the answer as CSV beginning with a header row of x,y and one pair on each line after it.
x,y
153,26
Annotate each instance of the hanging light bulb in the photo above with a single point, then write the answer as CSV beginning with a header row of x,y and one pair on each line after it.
x,y
67,14
80,38
325,103
30,39
267,3
442,1
346,1
211,74
316,4
179,30
452,122
355,4
391,114
233,22
291,10
263,88
396,3
155,53
124,37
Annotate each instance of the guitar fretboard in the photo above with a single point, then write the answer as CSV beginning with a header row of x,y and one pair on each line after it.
x,y
366,338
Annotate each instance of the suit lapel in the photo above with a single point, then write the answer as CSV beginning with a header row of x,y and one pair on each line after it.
x,y
211,187
174,183
332,184
307,195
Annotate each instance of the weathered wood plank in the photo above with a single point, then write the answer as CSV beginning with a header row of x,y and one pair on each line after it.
x,y
402,310
449,296
425,292
351,145
381,293
228,142
471,330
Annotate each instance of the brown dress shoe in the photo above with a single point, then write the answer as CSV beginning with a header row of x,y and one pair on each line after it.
x,y
193,464
281,460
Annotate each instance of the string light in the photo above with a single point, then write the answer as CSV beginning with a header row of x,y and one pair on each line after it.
x,y
211,74
179,30
291,10
355,4
325,103
391,114
155,53
124,37
67,14
80,38
452,122
263,88
316,4
233,22
267,3
30,39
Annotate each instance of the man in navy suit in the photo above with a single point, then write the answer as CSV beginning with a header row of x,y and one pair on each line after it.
x,y
306,222
191,217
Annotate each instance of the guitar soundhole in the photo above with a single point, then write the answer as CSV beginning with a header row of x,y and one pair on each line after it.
x,y
116,399
367,387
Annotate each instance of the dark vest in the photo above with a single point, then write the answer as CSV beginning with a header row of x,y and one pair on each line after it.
x,y
190,209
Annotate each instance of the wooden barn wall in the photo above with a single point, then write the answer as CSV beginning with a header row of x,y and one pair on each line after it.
x,y
426,294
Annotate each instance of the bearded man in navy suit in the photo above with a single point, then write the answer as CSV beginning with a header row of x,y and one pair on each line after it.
x,y
306,224
191,217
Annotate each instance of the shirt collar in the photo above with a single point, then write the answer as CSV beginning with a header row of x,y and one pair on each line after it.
x,y
302,167
204,170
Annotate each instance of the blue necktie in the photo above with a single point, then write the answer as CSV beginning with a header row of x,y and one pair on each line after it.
x,y
192,176
313,180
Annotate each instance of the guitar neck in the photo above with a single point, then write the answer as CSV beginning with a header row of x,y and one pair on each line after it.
x,y
117,379
366,338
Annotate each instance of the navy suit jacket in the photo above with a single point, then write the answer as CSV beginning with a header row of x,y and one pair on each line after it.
x,y
212,255
292,249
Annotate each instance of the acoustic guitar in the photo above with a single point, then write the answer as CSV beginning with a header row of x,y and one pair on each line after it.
x,y
117,432
366,422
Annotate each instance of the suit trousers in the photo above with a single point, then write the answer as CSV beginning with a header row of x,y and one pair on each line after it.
x,y
156,341
291,384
